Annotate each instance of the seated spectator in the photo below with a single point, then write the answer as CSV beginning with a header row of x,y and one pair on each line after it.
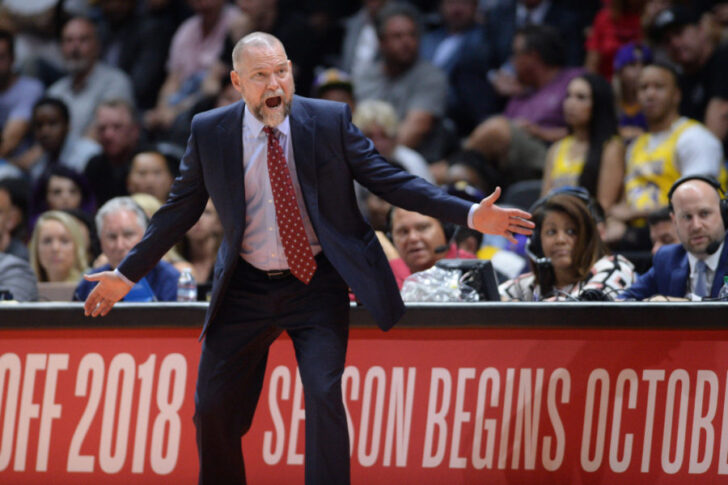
x,y
17,96
516,142
568,258
201,243
89,81
13,217
420,241
378,121
662,230
57,248
334,85
62,189
673,146
704,81
415,88
628,64
196,45
17,279
616,24
118,132
121,224
693,269
53,144
592,156
151,173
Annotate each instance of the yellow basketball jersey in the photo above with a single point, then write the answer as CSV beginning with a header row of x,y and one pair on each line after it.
x,y
651,173
566,170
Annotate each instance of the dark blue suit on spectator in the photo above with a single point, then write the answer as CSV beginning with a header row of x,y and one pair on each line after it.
x,y
670,273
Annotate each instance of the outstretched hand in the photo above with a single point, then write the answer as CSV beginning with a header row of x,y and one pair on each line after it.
x,y
111,288
488,218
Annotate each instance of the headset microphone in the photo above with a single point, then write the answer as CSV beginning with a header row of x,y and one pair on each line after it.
x,y
538,260
441,249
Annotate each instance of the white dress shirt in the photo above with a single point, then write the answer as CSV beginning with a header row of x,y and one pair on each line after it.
x,y
262,245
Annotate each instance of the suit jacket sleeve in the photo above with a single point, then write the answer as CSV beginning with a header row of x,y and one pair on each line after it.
x,y
187,200
644,287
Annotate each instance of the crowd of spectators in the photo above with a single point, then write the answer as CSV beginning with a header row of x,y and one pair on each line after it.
x,y
585,113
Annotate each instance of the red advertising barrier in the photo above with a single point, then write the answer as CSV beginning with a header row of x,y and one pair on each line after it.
x,y
455,406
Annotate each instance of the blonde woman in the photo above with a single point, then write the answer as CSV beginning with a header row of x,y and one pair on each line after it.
x,y
57,248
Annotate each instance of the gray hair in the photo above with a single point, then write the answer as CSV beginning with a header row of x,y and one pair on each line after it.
x,y
254,39
119,204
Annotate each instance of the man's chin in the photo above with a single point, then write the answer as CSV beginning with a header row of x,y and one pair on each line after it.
x,y
272,117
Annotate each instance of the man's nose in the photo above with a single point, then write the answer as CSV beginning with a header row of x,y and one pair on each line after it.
x,y
273,83
695,223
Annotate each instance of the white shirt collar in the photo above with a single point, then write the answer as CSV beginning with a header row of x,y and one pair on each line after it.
x,y
255,126
711,261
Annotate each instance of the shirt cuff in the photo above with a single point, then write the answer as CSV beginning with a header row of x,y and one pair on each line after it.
x,y
123,278
471,213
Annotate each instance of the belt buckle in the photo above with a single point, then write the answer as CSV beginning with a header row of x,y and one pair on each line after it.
x,y
276,275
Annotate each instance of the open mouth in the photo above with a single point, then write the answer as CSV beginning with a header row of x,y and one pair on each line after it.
x,y
273,102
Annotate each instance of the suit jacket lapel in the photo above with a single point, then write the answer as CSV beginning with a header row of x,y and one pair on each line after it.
x,y
303,133
230,148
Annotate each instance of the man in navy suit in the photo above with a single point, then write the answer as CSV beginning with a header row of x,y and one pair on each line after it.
x,y
269,277
693,269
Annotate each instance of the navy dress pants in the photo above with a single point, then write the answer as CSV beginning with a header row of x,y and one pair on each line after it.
x,y
232,366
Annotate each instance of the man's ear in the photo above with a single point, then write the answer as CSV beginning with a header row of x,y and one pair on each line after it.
x,y
235,79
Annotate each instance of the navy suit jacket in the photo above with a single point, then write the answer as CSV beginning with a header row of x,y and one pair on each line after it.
x,y
670,272
330,153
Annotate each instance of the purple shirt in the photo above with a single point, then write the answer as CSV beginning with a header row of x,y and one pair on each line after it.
x,y
543,107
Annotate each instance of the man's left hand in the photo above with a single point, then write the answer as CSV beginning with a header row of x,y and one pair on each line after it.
x,y
488,218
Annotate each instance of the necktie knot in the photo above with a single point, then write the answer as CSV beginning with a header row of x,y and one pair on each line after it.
x,y
271,132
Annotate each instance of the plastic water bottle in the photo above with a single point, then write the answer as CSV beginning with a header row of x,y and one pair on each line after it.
x,y
186,286
723,293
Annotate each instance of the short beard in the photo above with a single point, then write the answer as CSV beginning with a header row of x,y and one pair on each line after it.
x,y
272,118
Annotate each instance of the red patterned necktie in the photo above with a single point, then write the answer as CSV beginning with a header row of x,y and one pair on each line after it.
x,y
290,224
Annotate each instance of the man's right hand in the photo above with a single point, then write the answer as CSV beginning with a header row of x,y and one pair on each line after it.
x,y
111,288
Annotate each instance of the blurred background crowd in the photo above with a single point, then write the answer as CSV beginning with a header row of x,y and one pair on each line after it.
x,y
584,112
